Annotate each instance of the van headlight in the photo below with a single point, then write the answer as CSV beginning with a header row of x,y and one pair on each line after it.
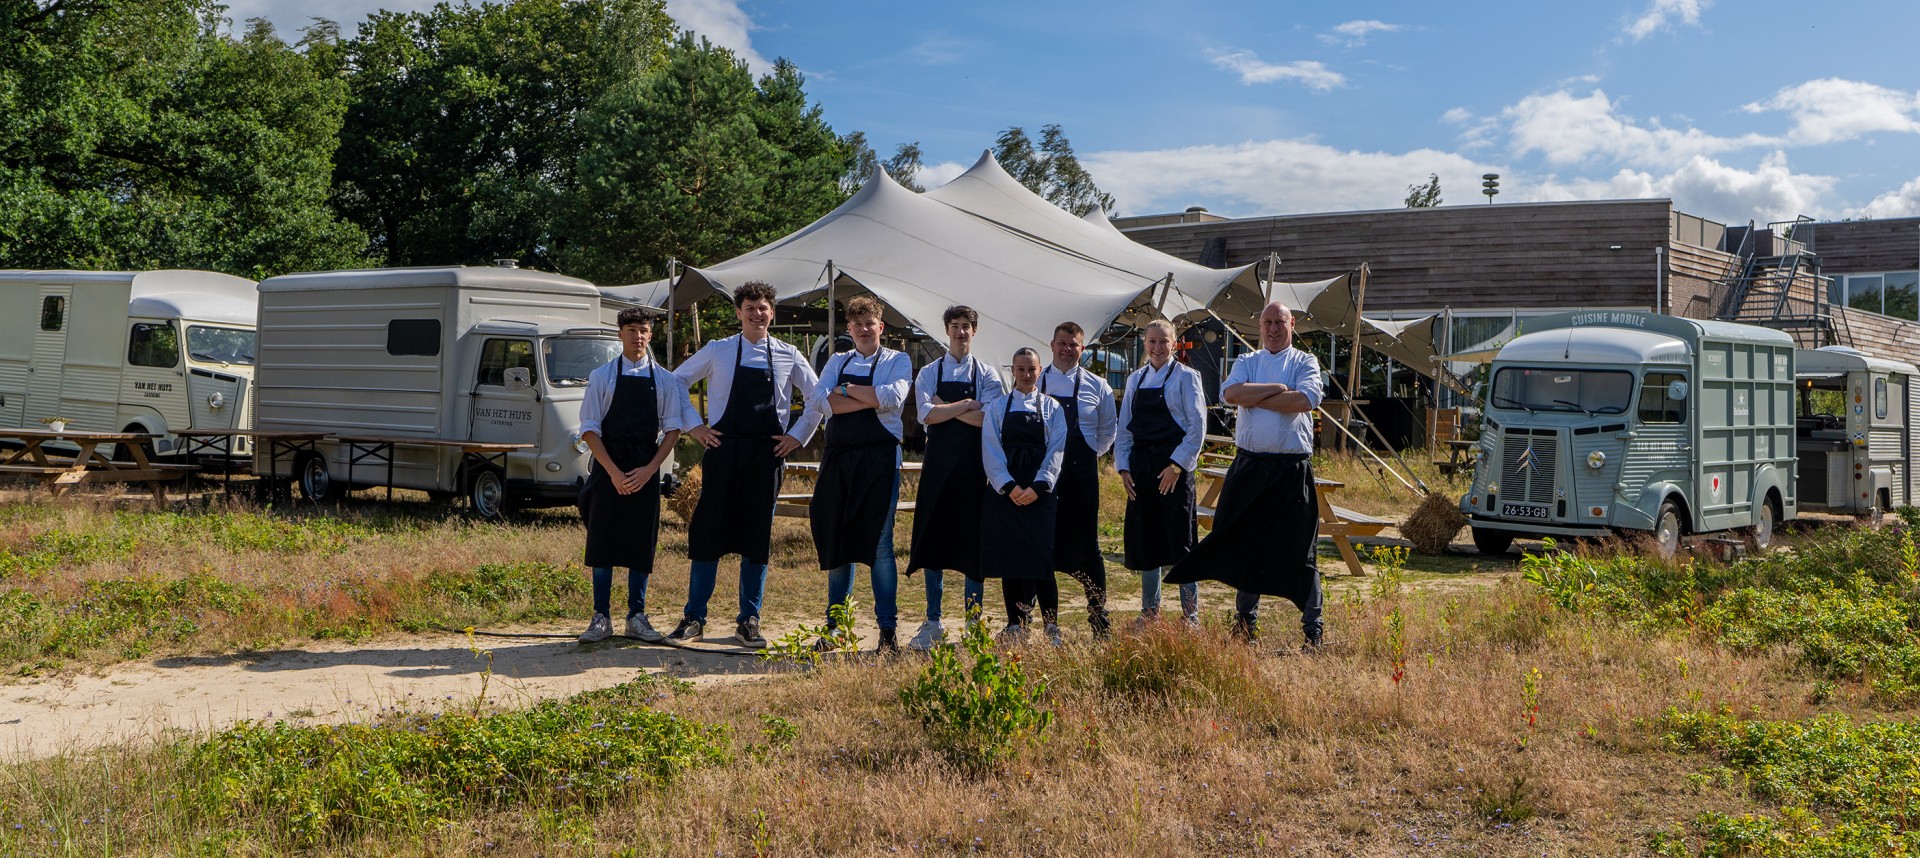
x,y
216,400
1493,488
580,444
1596,460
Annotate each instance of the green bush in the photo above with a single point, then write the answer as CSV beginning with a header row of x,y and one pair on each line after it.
x,y
978,717
318,783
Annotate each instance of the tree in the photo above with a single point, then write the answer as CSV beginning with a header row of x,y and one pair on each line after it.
x,y
904,166
1051,171
138,136
463,140
1424,196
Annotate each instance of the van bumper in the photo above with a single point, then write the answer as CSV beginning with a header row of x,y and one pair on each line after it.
x,y
1536,529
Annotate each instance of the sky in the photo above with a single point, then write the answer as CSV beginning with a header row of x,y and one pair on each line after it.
x,y
1757,111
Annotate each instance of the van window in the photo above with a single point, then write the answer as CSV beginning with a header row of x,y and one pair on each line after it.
x,y
53,312
1655,407
1880,398
153,345
413,337
498,356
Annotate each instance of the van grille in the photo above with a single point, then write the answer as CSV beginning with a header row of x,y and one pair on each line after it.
x,y
1533,484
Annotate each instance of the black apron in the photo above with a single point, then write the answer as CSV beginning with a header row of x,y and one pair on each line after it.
x,y
1264,531
740,479
1016,542
852,502
1160,528
953,482
1076,540
623,530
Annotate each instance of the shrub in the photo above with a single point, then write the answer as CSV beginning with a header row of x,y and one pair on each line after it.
x,y
1164,661
981,716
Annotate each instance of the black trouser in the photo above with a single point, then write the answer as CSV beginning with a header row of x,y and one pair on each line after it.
x,y
1095,580
1021,595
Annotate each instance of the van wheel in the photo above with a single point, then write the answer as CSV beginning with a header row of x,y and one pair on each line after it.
x,y
316,481
1667,530
1492,542
487,493
1765,519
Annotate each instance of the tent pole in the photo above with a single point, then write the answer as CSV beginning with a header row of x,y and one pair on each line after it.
x,y
830,278
673,285
1353,356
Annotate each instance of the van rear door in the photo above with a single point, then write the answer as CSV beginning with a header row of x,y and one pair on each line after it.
x,y
49,357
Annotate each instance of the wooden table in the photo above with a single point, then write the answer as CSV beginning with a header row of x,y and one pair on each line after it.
x,y
88,465
1461,455
1336,523
288,443
800,506
379,449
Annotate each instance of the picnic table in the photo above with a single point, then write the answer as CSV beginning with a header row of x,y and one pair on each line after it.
x,y
1461,456
60,472
799,505
378,449
280,444
1336,523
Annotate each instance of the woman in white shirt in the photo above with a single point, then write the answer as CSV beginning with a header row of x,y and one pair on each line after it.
x,y
1163,422
1022,447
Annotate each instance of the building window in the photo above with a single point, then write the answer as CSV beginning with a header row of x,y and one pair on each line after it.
x,y
1889,293
153,345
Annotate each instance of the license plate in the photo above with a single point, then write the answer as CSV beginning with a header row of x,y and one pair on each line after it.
x,y
1514,510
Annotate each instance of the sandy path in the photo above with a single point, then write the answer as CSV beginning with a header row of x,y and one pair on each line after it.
x,y
330,681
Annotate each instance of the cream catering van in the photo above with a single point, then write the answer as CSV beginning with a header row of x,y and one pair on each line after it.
x,y
134,351
424,359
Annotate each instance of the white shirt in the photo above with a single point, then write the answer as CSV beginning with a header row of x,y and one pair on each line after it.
x,y
714,364
926,385
892,379
994,457
1186,401
669,395
1096,403
1263,431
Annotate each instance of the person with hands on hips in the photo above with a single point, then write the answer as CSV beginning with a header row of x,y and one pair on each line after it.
x,y
630,418
1022,449
1163,422
752,379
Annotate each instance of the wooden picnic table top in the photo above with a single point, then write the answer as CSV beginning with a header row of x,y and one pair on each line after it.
x,y
469,446
1322,482
75,435
280,434
814,466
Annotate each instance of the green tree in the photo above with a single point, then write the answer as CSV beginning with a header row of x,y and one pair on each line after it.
x,y
904,166
139,136
1426,195
1051,169
463,140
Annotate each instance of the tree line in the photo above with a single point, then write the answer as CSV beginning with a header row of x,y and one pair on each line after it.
x,y
589,137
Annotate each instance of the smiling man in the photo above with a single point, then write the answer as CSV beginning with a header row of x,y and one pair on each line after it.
x,y
1087,402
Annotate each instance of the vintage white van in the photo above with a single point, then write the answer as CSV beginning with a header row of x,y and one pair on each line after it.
x,y
135,351
428,359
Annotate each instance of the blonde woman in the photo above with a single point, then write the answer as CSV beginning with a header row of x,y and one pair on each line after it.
x,y
1163,421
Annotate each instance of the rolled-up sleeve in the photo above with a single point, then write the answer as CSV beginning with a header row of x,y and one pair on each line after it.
x,y
818,400
1122,436
691,372
926,386
1104,419
599,395
1307,379
993,456
1056,445
673,402
893,382
1191,413
805,382
990,388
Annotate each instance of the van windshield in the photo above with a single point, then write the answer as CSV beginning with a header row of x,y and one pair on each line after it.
x,y
570,359
220,345
1588,391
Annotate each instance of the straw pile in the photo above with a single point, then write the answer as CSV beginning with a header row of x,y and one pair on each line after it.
x,y
1432,526
686,496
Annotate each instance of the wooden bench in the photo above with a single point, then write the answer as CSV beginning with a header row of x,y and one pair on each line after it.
x,y
1336,523
801,506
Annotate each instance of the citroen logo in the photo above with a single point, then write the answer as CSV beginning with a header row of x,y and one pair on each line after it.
x,y
1527,463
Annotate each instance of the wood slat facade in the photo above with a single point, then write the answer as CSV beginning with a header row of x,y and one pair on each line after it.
x,y
1867,246
1494,257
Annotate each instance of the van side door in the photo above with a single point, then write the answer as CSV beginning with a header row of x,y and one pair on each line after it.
x,y
44,368
506,399
153,381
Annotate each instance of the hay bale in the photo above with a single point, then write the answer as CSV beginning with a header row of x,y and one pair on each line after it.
x,y
686,495
1432,525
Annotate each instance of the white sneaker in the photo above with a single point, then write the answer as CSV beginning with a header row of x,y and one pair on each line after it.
x,y
929,634
1053,635
1193,621
598,630
1013,635
639,627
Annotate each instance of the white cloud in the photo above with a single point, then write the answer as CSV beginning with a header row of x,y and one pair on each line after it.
x,y
1275,176
1355,33
1252,70
934,175
724,23
1902,202
1831,110
1702,186
1569,129
940,50
1661,15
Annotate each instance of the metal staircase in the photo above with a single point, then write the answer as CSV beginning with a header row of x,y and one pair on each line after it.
x,y
1776,283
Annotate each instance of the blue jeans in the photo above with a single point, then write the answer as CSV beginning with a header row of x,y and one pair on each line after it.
x,y
603,591
884,573
975,593
753,587
1150,594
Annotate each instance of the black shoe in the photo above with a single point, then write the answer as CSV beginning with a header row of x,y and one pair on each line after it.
x,y
887,643
1314,640
747,632
1246,629
689,629
1101,623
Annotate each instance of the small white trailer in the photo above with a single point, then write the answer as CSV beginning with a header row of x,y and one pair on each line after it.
x,y
152,352
1857,432
410,371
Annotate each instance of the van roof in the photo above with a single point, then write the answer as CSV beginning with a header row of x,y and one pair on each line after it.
x,y
197,307
1833,360
1678,327
1617,347
457,276
142,282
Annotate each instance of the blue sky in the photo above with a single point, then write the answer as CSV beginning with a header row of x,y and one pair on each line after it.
x,y
1736,111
